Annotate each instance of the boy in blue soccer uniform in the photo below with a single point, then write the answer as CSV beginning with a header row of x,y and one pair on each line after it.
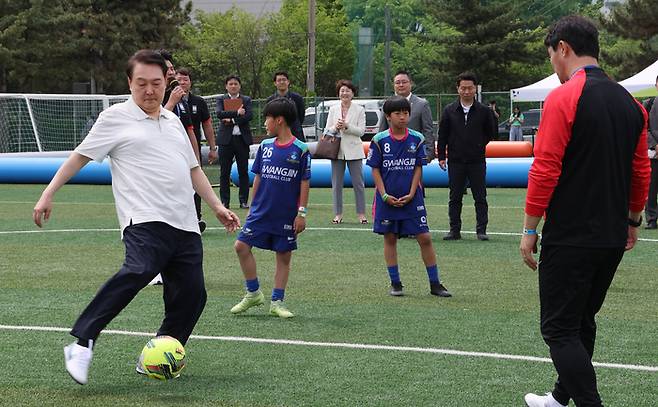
x,y
396,156
278,209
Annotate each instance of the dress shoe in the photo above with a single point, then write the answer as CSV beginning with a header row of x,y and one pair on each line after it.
x,y
483,236
452,236
651,225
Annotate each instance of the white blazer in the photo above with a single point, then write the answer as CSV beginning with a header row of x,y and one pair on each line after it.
x,y
351,146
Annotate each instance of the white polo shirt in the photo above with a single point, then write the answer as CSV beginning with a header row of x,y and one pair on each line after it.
x,y
150,161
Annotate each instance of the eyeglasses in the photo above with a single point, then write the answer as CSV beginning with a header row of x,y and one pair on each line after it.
x,y
400,82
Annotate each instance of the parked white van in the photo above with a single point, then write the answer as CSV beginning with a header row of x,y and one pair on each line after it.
x,y
316,118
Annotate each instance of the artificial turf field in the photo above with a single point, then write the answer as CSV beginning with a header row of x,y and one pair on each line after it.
x,y
338,291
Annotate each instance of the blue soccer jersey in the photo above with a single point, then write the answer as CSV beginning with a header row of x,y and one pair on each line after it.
x,y
282,169
396,161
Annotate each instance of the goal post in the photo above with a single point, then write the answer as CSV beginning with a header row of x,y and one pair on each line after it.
x,y
39,123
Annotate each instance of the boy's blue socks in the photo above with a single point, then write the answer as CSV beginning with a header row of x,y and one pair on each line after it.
x,y
433,273
278,293
252,285
394,274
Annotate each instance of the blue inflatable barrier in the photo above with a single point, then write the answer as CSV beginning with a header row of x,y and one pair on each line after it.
x,y
501,172
42,170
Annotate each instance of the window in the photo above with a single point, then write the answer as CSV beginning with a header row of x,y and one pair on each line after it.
x,y
371,119
309,120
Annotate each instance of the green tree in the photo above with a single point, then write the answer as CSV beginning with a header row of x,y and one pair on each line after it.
x,y
493,37
423,54
47,45
549,11
417,41
38,46
630,40
335,51
371,13
219,44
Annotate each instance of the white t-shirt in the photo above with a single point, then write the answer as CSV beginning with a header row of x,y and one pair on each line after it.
x,y
466,110
150,161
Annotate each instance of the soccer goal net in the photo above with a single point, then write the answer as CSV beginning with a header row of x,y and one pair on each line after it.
x,y
33,122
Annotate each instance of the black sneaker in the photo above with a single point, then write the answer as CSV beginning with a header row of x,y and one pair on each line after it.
x,y
483,236
439,289
396,290
452,236
651,225
202,225
244,205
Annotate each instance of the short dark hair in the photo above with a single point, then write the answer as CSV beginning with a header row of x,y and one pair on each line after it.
x,y
185,72
467,76
492,101
396,104
282,73
146,57
577,31
166,55
345,82
281,107
236,77
403,72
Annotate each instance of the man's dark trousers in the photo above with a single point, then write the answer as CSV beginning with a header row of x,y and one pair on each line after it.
x,y
475,174
651,209
152,248
240,150
573,282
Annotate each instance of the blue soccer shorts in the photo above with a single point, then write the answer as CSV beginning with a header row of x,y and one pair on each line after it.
x,y
267,241
401,227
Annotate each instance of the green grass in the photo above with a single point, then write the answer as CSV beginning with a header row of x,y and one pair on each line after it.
x,y
338,290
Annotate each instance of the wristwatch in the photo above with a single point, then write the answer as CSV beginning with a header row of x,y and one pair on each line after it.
x,y
213,148
635,224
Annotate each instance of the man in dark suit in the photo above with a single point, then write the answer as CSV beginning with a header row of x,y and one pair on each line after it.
x,y
420,118
466,128
282,84
234,139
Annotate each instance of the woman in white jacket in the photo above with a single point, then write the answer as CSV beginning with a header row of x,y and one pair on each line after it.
x,y
347,120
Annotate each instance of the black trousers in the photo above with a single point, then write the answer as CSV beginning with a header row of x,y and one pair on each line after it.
x,y
652,205
458,176
573,282
152,248
240,150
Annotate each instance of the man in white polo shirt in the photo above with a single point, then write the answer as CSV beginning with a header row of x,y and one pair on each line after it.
x,y
154,175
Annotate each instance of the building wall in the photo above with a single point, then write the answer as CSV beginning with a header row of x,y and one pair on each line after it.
x,y
255,7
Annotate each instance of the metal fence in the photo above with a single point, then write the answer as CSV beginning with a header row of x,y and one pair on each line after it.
x,y
34,122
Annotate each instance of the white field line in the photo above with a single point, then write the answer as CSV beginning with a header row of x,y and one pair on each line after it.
x,y
310,205
344,229
451,352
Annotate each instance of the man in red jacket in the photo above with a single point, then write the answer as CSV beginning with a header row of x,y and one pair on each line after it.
x,y
589,180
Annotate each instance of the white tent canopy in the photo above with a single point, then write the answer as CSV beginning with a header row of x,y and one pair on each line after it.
x,y
536,92
644,79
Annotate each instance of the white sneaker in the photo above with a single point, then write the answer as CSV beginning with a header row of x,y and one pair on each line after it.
x,y
534,400
77,360
157,280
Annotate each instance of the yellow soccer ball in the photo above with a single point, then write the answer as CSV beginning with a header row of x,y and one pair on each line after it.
x,y
163,358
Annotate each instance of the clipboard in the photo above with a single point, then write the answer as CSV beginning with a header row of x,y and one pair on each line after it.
x,y
232,104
